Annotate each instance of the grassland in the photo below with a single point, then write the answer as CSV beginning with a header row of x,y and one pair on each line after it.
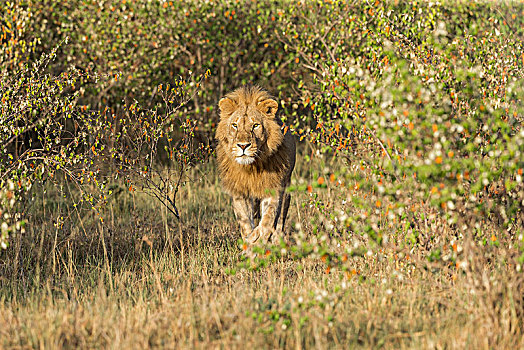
x,y
406,225
142,279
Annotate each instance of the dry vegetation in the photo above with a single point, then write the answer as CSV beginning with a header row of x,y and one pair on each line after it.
x,y
406,225
145,280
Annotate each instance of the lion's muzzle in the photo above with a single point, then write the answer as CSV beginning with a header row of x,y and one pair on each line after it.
x,y
244,153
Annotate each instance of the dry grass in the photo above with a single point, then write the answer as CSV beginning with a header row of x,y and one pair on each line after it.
x,y
144,280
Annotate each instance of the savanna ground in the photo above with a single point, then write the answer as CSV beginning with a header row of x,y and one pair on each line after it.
x,y
406,222
146,280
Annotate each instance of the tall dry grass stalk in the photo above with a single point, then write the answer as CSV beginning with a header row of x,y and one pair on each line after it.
x,y
146,280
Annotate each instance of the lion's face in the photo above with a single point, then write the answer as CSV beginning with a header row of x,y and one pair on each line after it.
x,y
247,127
246,135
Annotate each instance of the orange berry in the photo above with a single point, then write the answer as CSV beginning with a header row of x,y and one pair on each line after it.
x,y
438,160
321,180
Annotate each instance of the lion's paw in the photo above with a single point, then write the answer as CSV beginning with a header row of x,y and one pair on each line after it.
x,y
262,234
253,236
276,236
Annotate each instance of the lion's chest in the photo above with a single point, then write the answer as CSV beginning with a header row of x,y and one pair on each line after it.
x,y
259,184
258,180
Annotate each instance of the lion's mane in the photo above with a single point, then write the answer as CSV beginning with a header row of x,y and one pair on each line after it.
x,y
271,171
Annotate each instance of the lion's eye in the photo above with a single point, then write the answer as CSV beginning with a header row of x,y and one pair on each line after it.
x,y
256,125
234,125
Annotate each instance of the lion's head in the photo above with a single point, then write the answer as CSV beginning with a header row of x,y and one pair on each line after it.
x,y
248,129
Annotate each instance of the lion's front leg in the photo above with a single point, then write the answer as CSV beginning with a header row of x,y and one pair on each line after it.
x,y
245,213
270,208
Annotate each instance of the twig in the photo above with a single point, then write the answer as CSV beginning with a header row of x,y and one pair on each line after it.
x,y
386,151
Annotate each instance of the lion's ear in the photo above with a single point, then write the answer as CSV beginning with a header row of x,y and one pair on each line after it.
x,y
268,107
227,106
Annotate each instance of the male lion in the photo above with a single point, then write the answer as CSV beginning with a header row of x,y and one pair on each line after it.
x,y
255,160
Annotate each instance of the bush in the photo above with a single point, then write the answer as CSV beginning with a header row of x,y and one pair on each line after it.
x,y
409,120
420,102
49,135
423,108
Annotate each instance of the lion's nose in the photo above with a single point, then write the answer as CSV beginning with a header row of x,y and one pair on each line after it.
x,y
243,146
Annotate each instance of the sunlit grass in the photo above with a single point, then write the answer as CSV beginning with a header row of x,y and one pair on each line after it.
x,y
405,228
143,279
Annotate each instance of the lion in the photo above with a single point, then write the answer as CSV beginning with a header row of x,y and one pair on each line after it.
x,y
255,161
